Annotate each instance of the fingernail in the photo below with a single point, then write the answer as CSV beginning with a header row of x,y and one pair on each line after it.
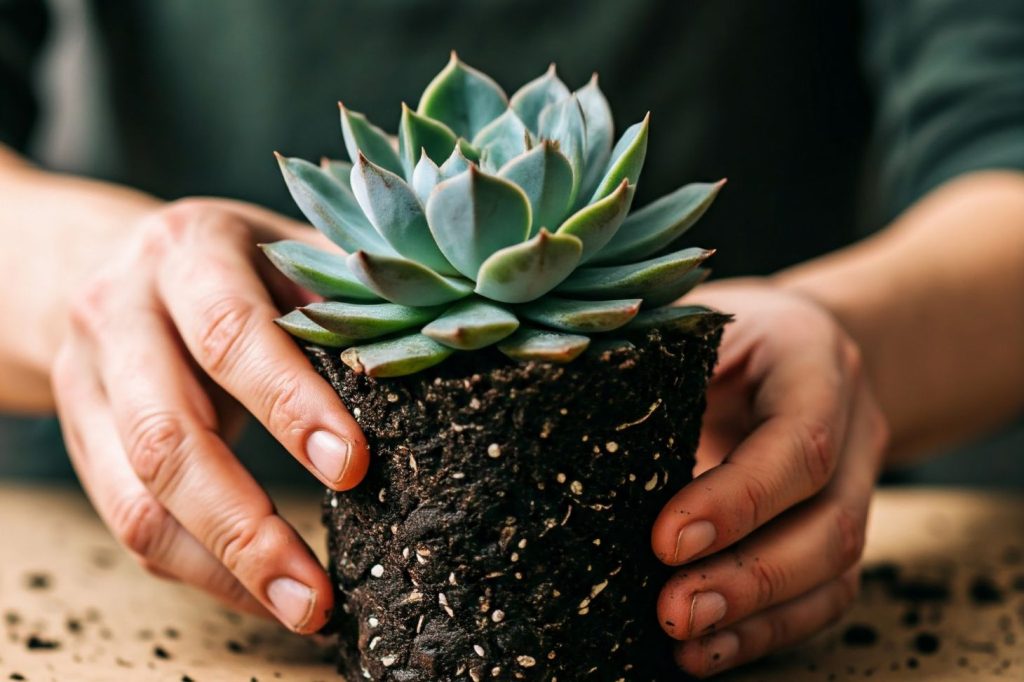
x,y
329,454
706,609
292,600
720,649
693,539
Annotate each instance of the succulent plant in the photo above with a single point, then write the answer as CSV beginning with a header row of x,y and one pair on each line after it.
x,y
493,221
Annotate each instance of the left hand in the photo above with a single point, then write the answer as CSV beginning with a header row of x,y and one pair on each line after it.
x,y
770,532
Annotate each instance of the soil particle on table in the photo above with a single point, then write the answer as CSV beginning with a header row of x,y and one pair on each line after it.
x,y
503,530
927,643
984,591
37,642
38,581
161,652
859,634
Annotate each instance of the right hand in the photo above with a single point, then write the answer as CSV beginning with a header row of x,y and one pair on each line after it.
x,y
166,345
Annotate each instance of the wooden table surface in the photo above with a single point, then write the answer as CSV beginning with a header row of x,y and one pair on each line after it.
x,y
943,599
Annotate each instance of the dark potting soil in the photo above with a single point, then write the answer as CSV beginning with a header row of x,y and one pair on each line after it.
x,y
503,531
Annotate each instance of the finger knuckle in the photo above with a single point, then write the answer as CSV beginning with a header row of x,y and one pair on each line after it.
x,y
759,500
852,357
817,448
235,541
140,524
284,415
780,632
156,449
770,581
89,309
222,327
849,587
849,537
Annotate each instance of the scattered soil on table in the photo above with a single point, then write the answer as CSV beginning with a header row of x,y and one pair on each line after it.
x,y
927,643
859,634
984,591
37,642
38,581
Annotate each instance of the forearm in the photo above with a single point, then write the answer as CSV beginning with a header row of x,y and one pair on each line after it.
x,y
55,230
936,302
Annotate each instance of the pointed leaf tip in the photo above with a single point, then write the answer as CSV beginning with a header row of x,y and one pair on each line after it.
x,y
524,272
404,281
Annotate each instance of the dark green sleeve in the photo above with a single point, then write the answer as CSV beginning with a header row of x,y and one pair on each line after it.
x,y
949,80
22,29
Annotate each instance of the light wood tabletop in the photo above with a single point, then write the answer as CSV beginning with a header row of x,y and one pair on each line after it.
x,y
942,599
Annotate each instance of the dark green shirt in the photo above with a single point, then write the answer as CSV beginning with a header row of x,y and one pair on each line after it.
x,y
828,117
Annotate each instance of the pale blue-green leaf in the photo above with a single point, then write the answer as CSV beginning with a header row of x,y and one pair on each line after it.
x,y
526,271
472,324
596,224
362,136
660,223
475,214
462,98
321,272
394,210
627,159
673,291
339,170
563,122
406,282
330,206
457,163
360,322
585,317
531,99
395,357
692,319
301,327
418,134
425,177
600,130
543,346
501,140
545,175
633,280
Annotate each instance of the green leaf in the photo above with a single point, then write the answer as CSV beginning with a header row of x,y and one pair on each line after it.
x,y
627,159
468,150
523,272
462,98
673,291
457,163
417,134
545,175
339,170
362,136
395,357
425,177
658,224
563,122
634,280
318,271
531,99
543,346
588,317
475,214
596,224
301,327
501,140
330,206
600,129
693,319
406,282
472,324
394,210
359,322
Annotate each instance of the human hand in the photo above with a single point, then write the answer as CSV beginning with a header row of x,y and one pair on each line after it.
x,y
770,532
167,345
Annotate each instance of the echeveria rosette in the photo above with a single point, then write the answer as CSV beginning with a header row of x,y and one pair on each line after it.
x,y
489,221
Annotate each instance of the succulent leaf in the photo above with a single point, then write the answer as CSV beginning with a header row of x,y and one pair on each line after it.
x,y
457,163
404,281
673,291
392,208
301,327
318,271
526,271
600,131
634,280
361,136
395,357
472,324
425,177
597,223
360,322
543,346
417,134
627,159
475,214
586,317
545,175
339,170
563,122
531,99
330,206
463,98
501,140
660,223
685,318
